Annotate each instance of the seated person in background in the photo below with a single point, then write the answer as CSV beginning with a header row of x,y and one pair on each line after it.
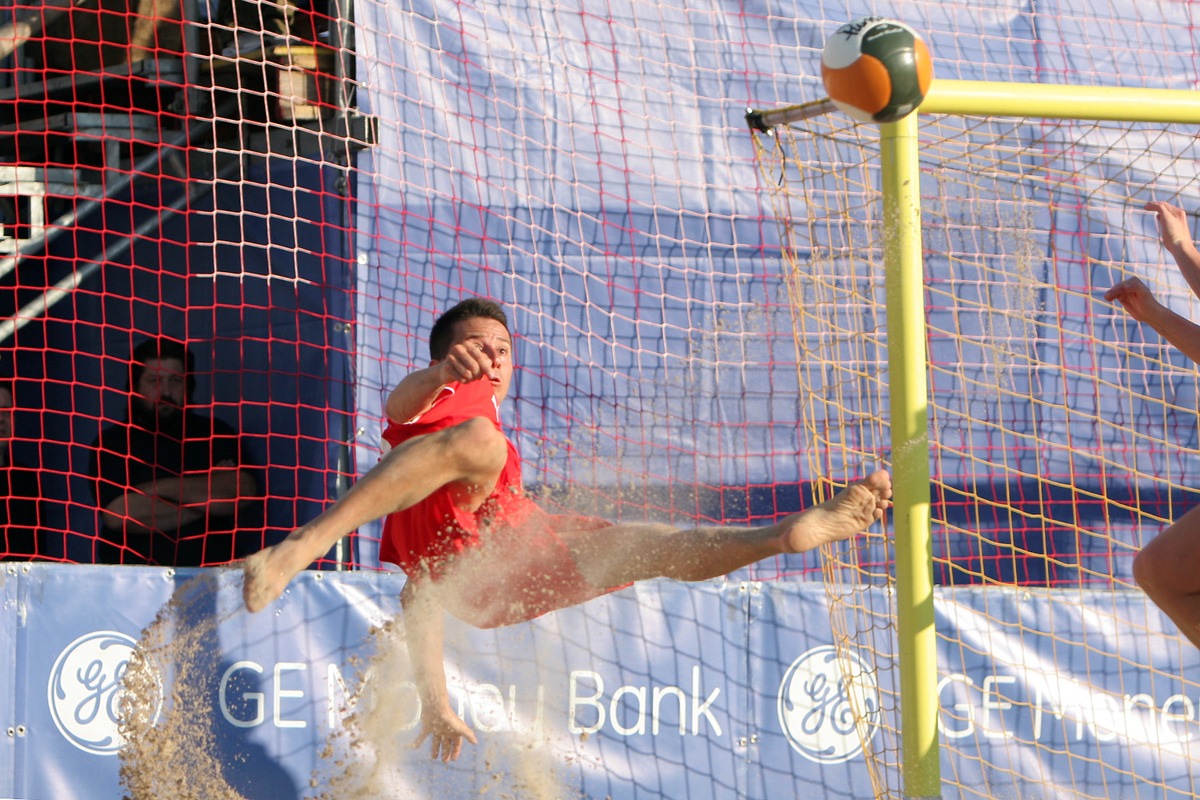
x,y
21,506
172,485
251,26
155,28
91,35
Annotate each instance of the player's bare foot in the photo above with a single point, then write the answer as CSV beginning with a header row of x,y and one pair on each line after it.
x,y
268,572
848,512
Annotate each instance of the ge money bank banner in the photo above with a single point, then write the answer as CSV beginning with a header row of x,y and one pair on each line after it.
x,y
726,689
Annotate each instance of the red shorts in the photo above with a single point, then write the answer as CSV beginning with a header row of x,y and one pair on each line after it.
x,y
501,565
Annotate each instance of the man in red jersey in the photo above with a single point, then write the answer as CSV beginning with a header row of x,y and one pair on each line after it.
x,y
474,545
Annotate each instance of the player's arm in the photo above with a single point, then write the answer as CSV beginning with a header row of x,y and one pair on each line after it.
x,y
1137,299
415,393
1177,239
465,362
423,623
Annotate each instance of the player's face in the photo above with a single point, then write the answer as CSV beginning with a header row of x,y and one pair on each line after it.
x,y
163,386
492,339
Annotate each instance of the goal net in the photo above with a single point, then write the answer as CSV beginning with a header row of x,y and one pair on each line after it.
x,y
1062,433
296,190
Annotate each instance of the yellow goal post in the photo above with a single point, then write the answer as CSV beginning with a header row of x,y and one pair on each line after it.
x,y
900,170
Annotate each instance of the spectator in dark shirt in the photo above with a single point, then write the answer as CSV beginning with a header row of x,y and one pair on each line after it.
x,y
21,510
172,485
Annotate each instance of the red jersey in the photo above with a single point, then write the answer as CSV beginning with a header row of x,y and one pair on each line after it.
x,y
531,569
436,527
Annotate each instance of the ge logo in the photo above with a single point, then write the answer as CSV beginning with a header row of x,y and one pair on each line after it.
x,y
85,691
828,705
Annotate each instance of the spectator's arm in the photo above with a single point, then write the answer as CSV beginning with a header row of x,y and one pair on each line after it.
x,y
223,491
143,510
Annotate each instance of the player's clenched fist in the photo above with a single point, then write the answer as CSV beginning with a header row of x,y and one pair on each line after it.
x,y
470,361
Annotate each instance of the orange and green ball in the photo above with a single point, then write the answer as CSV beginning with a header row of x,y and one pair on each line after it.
x,y
876,69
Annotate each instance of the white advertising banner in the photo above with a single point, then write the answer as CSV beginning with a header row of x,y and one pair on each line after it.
x,y
717,690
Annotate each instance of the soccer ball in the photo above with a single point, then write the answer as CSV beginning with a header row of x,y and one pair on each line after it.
x,y
876,69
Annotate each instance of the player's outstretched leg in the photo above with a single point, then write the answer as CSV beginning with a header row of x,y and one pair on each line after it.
x,y
633,552
850,511
470,454
267,573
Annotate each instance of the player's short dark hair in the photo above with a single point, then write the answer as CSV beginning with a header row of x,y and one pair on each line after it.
x,y
162,348
442,335
7,383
